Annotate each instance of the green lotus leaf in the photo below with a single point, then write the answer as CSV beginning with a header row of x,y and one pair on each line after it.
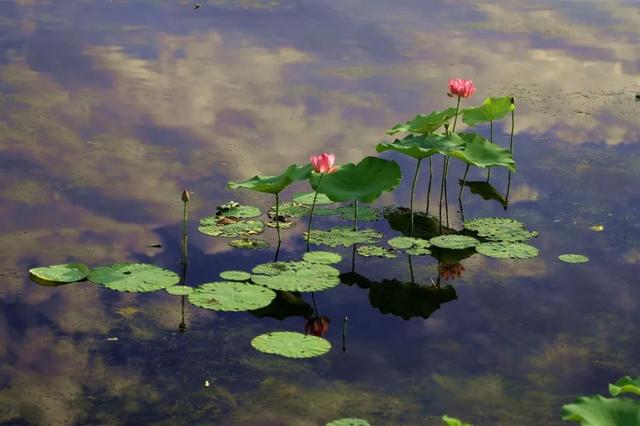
x,y
237,210
480,152
343,236
296,276
573,258
492,109
409,300
401,242
60,274
249,243
235,276
506,250
600,411
499,229
348,422
291,345
274,184
452,421
307,198
364,182
291,209
283,224
625,385
365,213
454,242
424,124
210,226
179,290
375,251
231,296
413,246
133,277
324,257
423,146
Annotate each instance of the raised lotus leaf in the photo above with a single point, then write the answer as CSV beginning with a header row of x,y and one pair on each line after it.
x,y
600,411
296,276
351,421
179,290
249,243
307,198
215,227
506,250
133,277
452,421
291,345
234,209
499,229
375,251
425,123
364,182
573,258
412,246
423,146
625,385
481,152
365,213
60,274
492,109
231,296
324,257
453,242
235,276
275,184
344,236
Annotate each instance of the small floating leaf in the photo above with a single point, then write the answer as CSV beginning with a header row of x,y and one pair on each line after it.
x,y
499,229
231,296
349,422
573,258
452,421
290,210
597,228
365,213
307,198
296,276
211,226
625,385
291,345
283,224
325,257
235,276
179,290
234,209
375,251
453,242
249,243
412,246
344,236
64,273
600,411
134,277
401,242
504,250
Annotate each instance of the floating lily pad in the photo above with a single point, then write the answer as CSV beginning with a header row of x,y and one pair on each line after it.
x,y
503,250
274,184
454,242
63,274
344,236
573,258
349,422
291,345
325,257
249,243
296,276
211,226
231,296
412,246
625,385
235,276
234,209
283,224
307,198
365,213
452,421
375,251
290,210
499,229
401,242
133,277
179,290
599,411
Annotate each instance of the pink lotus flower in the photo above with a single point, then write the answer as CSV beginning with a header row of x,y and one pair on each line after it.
x,y
461,88
317,326
323,163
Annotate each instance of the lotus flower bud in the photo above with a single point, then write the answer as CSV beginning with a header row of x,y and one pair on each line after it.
x,y
185,196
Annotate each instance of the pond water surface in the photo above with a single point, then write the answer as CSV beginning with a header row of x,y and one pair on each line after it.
x,y
108,109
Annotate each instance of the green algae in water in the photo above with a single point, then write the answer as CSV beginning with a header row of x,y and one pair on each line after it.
x,y
344,236
573,258
291,345
325,257
454,242
249,243
211,226
504,250
296,276
375,251
231,296
134,277
307,198
350,421
179,290
235,276
64,273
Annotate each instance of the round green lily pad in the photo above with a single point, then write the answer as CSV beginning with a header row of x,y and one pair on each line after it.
x,y
296,276
235,276
249,243
325,257
454,242
231,296
291,345
239,210
499,229
290,210
64,273
134,277
413,246
375,251
573,258
505,250
307,198
365,213
401,243
348,422
344,236
179,290
210,226
283,225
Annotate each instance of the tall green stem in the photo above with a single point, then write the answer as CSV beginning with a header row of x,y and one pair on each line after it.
x,y
455,119
185,235
278,217
313,206
444,166
355,215
413,190
464,181
490,139
429,186
446,199
513,123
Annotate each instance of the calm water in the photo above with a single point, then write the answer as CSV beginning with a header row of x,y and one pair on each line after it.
x,y
109,108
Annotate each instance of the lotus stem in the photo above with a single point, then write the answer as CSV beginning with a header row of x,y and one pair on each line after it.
x,y
182,326
413,281
355,215
506,198
278,217
429,186
413,190
513,123
446,198
344,333
315,308
444,166
185,234
464,180
313,206
490,139
455,118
